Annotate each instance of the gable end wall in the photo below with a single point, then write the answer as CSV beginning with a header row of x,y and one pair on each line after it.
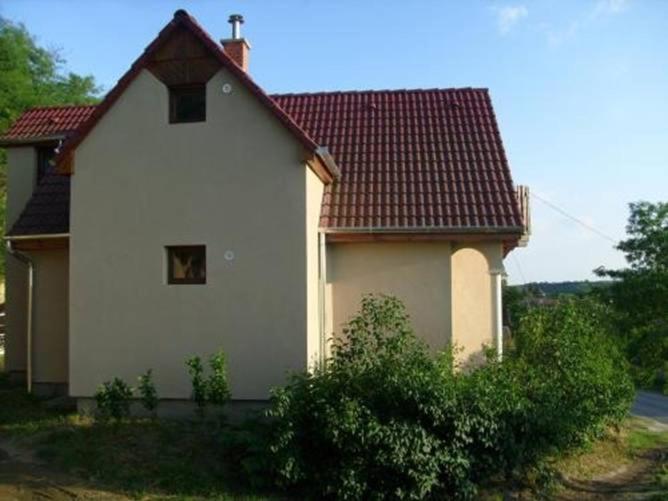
x,y
233,183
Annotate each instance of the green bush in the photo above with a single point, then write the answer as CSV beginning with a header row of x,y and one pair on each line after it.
x,y
561,385
385,419
213,389
379,420
217,386
147,392
574,373
198,382
113,399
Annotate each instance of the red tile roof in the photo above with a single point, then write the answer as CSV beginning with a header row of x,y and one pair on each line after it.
x,y
48,210
410,160
428,160
46,122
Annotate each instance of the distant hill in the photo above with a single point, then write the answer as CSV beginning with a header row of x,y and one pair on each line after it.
x,y
554,289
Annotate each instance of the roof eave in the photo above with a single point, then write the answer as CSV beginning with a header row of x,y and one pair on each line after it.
x,y
446,230
509,236
30,141
36,236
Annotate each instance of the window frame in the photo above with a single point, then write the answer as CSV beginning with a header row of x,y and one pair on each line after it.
x,y
174,90
171,280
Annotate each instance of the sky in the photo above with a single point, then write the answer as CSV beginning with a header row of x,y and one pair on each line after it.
x,y
580,87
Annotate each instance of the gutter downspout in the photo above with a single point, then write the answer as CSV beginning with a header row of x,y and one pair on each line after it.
x,y
497,278
322,279
31,272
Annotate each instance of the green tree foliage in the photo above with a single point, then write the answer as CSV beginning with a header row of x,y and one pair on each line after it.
x,y
386,419
639,293
31,75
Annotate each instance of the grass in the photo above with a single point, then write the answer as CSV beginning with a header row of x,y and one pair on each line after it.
x,y
641,439
617,449
138,457
159,458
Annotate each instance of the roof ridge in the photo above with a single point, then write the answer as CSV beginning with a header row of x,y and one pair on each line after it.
x,y
59,106
379,91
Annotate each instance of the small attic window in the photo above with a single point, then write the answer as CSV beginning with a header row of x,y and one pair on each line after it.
x,y
187,104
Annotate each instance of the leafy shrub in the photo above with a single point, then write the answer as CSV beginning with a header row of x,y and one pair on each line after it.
x,y
564,382
209,390
147,392
196,372
113,399
384,419
371,423
217,387
575,376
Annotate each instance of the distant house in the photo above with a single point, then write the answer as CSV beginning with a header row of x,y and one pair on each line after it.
x,y
190,211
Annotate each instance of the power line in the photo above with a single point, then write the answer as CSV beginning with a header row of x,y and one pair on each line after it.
x,y
519,268
569,216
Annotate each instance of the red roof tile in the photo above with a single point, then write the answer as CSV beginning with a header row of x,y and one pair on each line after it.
x,y
48,210
428,160
47,122
410,160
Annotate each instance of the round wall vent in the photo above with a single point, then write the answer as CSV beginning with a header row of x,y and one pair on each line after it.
x,y
227,88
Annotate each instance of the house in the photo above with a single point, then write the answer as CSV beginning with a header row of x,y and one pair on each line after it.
x,y
190,211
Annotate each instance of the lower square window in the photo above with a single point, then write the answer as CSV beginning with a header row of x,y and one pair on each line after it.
x,y
186,264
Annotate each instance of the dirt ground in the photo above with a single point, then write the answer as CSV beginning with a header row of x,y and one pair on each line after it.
x,y
629,482
23,478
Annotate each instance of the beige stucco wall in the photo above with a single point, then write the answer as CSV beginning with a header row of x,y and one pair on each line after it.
x,y
50,310
234,183
21,169
418,273
473,298
447,289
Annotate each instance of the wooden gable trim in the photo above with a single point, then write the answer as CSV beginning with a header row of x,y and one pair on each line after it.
x,y
318,167
183,60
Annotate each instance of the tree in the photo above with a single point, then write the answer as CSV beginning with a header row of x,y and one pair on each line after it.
x,y
639,293
31,75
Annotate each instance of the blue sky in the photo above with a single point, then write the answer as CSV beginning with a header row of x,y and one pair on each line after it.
x,y
580,87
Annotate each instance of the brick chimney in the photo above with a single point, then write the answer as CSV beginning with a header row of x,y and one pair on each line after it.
x,y
237,47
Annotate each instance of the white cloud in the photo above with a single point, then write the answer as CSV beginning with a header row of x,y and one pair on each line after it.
x,y
508,16
610,6
557,37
